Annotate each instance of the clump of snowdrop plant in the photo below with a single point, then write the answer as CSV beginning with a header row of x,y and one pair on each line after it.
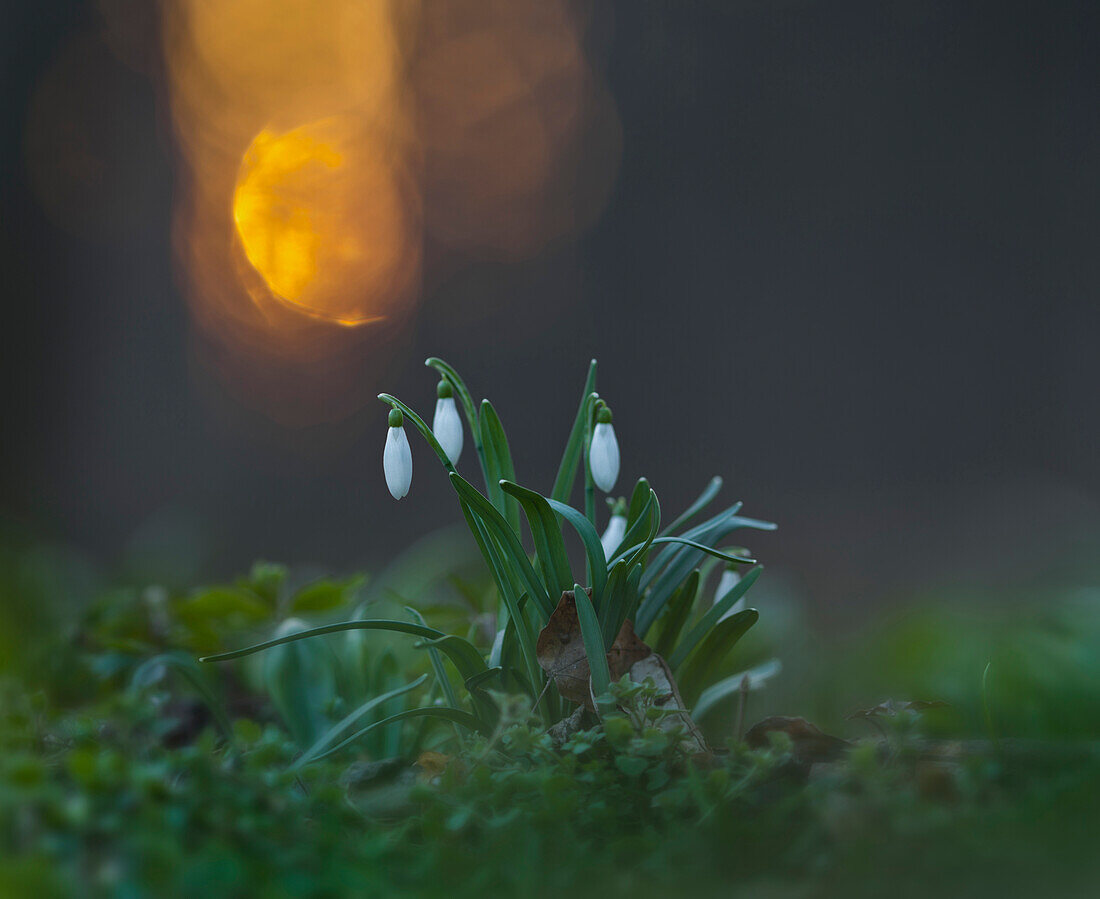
x,y
642,571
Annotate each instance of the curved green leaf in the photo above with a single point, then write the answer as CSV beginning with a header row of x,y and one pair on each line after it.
x,y
730,686
464,719
594,647
498,464
508,541
678,610
638,528
699,666
708,532
365,624
711,619
639,499
701,502
328,739
673,564
437,664
546,531
593,549
567,470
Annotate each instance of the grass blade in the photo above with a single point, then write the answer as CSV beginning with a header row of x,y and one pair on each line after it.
x,y
593,549
546,531
638,501
366,624
567,470
730,686
464,719
320,748
677,614
437,665
698,667
594,646
711,619
701,502
508,541
498,464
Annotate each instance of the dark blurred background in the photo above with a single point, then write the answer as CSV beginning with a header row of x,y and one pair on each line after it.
x,y
844,255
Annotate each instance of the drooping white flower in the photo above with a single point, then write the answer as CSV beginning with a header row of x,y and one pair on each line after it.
x,y
397,460
603,452
447,424
616,529
730,578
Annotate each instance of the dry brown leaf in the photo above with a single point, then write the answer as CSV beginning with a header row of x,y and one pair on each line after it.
x,y
809,743
668,699
627,650
560,651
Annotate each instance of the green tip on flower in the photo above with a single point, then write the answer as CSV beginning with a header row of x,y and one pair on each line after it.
x,y
618,506
603,414
444,389
396,418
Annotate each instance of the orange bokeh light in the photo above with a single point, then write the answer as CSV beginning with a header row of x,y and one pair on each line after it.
x,y
322,218
326,142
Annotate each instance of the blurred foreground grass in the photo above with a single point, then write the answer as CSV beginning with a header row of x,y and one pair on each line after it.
x,y
116,788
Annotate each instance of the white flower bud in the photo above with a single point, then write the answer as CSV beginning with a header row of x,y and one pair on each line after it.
x,y
397,461
613,537
730,578
447,427
603,453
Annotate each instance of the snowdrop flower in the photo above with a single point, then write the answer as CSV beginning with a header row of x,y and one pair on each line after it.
x,y
603,453
616,529
397,460
446,425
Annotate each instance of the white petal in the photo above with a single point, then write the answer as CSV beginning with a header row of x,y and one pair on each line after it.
x,y
397,462
727,582
447,427
613,536
603,456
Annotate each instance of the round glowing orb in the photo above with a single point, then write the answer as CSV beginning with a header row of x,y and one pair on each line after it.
x,y
325,218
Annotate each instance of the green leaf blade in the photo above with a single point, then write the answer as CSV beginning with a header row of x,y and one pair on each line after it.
x,y
567,470
594,647
593,549
549,546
